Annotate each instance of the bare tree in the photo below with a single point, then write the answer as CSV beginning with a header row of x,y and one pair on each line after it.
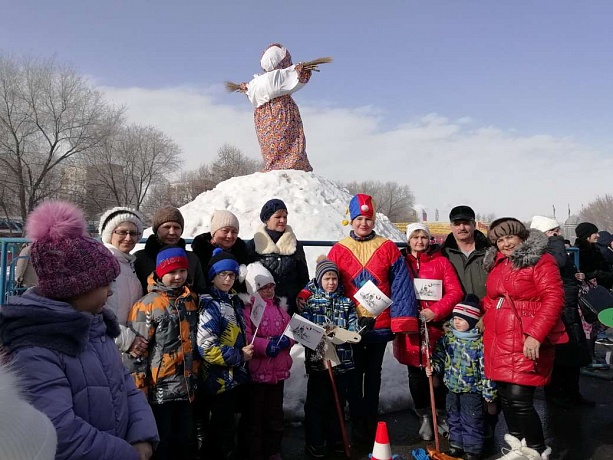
x,y
178,193
122,169
487,217
231,162
48,114
599,212
391,198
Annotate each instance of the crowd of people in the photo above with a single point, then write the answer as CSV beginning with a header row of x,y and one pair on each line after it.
x,y
158,353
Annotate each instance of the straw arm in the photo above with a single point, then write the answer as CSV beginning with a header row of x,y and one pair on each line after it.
x,y
313,65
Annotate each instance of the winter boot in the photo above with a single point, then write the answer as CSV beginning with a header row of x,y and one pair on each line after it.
x,y
426,431
514,453
441,422
532,454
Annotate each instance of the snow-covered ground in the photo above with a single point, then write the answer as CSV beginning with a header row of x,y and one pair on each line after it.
x,y
316,209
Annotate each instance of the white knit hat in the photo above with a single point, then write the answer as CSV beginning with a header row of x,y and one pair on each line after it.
x,y
544,223
221,219
257,277
25,433
111,219
417,226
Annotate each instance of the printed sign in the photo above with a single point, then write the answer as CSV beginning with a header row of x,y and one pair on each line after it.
x,y
372,299
426,289
257,309
304,331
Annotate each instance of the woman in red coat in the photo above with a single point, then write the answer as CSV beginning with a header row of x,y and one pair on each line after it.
x,y
523,305
424,264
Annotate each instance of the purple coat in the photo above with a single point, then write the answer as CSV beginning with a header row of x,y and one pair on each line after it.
x,y
71,370
274,321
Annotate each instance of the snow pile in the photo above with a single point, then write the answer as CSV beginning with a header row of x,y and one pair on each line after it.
x,y
316,209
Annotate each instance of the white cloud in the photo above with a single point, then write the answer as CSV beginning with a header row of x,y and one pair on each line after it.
x,y
444,162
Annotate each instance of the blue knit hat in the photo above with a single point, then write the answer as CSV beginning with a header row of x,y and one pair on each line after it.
x,y
270,207
222,261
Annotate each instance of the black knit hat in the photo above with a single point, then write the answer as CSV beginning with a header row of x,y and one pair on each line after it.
x,y
270,207
585,229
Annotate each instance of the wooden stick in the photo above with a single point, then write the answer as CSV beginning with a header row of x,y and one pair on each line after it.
x,y
339,411
426,348
254,334
433,407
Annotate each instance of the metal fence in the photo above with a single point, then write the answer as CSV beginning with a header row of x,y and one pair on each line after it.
x,y
11,247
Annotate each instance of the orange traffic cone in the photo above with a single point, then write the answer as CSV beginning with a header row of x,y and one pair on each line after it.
x,y
382,450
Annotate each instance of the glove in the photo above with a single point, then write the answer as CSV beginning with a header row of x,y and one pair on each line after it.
x,y
284,342
272,350
366,324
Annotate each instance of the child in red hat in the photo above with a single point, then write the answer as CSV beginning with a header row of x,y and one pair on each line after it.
x,y
168,318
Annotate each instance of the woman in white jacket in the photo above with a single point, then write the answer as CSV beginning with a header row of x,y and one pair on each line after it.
x,y
120,229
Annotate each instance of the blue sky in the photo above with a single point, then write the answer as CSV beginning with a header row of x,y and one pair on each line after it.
x,y
527,71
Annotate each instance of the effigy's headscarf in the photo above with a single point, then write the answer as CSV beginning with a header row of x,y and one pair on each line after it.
x,y
275,57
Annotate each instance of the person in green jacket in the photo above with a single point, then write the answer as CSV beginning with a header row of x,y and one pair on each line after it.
x,y
465,248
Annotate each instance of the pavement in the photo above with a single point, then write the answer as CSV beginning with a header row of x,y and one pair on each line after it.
x,y
581,433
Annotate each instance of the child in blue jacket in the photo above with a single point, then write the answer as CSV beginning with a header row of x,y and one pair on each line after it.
x,y
459,354
326,306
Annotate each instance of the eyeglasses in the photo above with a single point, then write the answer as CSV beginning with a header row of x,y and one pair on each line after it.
x,y
227,275
123,233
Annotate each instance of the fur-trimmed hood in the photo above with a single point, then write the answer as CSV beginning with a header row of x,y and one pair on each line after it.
x,y
286,246
31,320
280,302
526,254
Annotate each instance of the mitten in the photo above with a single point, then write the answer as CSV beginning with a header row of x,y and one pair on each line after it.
x,y
284,342
272,350
366,323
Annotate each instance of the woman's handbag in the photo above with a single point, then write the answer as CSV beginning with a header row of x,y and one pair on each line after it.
x,y
593,299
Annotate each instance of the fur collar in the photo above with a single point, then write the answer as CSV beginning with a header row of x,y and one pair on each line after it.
x,y
286,246
527,254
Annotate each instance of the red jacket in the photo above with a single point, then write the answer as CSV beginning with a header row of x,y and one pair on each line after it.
x,y
524,297
429,266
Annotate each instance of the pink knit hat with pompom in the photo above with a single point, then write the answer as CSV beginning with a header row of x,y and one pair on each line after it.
x,y
66,259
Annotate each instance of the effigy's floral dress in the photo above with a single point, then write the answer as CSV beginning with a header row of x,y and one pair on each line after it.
x,y
278,124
